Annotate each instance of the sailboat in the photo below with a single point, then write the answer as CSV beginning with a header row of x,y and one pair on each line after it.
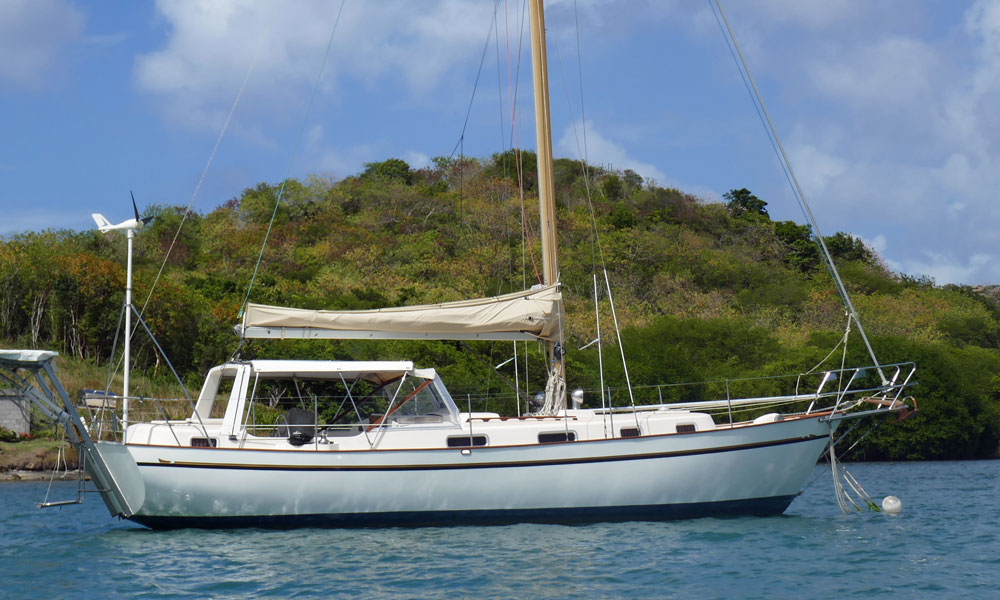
x,y
377,443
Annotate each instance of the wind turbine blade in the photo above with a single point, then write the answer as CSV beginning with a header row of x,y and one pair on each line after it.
x,y
134,207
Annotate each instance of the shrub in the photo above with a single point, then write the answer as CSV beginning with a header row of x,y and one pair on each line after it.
x,y
6,435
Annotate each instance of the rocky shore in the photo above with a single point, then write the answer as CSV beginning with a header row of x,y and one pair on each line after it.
x,y
37,460
42,475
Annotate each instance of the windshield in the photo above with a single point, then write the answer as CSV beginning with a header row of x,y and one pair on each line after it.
x,y
337,404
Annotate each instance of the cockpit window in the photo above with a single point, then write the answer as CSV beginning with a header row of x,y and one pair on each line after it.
x,y
339,407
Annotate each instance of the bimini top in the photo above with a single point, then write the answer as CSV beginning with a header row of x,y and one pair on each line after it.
x,y
370,370
528,315
25,358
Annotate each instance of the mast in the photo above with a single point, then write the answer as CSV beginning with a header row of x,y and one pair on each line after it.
x,y
555,387
543,135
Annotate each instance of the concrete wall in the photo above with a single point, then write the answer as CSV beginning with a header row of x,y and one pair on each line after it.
x,y
15,412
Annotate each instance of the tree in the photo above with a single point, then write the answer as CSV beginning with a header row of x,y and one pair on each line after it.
x,y
633,181
744,205
801,250
389,170
612,187
844,246
504,165
256,205
159,236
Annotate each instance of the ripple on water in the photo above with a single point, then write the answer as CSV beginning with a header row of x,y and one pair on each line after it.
x,y
945,543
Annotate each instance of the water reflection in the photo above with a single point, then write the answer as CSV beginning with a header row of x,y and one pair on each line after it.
x,y
945,541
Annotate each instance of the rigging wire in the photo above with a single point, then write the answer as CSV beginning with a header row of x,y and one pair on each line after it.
x,y
113,367
501,201
595,245
211,158
479,72
513,85
501,197
496,46
291,159
754,92
492,34
582,152
839,472
579,68
597,248
460,143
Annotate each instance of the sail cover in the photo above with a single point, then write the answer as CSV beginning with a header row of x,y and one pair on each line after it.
x,y
532,314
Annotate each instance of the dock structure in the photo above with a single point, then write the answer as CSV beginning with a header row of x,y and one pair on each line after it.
x,y
15,411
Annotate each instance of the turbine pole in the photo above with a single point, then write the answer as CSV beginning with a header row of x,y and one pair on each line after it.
x,y
128,332
130,226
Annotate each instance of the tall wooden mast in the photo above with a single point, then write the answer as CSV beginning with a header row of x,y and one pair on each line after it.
x,y
543,135
555,388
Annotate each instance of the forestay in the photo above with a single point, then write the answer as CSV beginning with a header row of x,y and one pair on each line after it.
x,y
528,315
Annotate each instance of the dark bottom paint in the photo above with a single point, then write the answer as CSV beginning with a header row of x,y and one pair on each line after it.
x,y
663,512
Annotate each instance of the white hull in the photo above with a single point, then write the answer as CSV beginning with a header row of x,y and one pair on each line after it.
x,y
745,470
417,467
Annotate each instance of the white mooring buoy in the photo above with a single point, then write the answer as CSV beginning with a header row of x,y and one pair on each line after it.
x,y
892,505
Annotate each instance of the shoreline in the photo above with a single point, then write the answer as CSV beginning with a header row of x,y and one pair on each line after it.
x,y
16,475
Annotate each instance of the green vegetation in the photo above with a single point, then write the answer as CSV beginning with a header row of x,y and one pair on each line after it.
x,y
11,437
703,291
35,455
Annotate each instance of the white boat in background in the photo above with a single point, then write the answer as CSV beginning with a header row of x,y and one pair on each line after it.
x,y
383,442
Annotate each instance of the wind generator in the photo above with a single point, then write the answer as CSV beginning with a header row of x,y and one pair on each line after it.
x,y
130,226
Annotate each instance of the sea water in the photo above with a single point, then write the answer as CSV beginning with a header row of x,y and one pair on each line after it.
x,y
944,544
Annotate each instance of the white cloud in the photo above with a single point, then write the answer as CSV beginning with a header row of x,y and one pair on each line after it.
x,y
877,243
41,219
971,108
314,137
345,161
212,44
34,35
946,269
983,19
416,159
895,134
954,209
348,161
887,73
602,151
814,168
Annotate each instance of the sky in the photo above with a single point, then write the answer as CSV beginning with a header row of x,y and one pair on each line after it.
x,y
888,110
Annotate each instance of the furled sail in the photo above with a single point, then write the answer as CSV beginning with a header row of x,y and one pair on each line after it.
x,y
528,315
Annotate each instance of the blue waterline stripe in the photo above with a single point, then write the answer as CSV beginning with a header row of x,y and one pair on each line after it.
x,y
496,465
774,505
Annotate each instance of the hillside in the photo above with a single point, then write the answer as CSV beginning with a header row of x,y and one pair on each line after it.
x,y
703,291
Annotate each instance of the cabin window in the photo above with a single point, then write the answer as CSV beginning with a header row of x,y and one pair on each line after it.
x,y
204,442
560,436
462,441
629,432
686,428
